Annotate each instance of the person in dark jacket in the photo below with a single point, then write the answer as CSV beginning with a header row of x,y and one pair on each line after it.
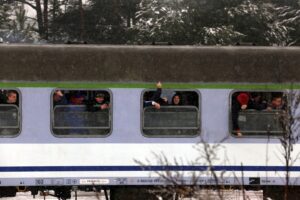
x,y
156,101
99,102
72,119
256,102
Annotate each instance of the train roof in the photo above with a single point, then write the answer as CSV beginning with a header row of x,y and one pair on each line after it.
x,y
174,64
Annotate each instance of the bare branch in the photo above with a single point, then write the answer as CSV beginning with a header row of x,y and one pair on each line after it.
x,y
27,3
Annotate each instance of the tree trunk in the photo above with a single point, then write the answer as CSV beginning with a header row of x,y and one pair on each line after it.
x,y
40,20
46,19
82,30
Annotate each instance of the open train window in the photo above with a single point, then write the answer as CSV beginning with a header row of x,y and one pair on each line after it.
x,y
9,113
81,113
257,113
170,113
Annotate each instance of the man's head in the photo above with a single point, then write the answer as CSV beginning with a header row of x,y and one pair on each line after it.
x,y
57,96
276,101
99,97
176,99
11,96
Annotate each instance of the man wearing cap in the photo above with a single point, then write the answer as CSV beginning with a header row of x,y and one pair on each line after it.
x,y
98,103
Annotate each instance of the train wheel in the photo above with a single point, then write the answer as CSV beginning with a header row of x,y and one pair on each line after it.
x,y
131,193
8,191
62,193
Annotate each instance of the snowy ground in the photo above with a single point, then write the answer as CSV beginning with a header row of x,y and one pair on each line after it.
x,y
227,194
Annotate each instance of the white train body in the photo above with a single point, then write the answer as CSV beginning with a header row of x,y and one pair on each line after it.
x,y
37,157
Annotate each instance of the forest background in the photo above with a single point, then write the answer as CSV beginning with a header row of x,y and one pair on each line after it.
x,y
178,22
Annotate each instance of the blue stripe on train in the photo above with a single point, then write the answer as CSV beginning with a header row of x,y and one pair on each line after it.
x,y
144,168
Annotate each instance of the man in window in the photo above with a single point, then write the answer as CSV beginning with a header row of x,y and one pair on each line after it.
x,y
156,101
59,98
176,100
276,103
100,101
10,114
12,97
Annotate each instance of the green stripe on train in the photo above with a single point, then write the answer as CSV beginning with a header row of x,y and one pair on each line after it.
x,y
267,86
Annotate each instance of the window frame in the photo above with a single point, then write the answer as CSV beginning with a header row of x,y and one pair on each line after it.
x,y
199,115
20,119
83,135
230,131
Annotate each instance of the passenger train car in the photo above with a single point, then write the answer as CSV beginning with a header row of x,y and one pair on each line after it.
x,y
54,132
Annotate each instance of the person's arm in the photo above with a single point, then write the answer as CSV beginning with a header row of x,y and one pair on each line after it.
x,y
152,103
157,93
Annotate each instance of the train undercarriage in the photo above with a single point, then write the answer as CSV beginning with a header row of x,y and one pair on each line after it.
x,y
146,192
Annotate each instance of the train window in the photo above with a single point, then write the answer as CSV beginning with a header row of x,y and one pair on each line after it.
x,y
257,113
9,113
81,113
170,113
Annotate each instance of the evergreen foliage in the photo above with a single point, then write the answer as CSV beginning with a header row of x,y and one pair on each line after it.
x,y
181,22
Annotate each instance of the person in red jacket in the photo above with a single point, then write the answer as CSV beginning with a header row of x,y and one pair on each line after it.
x,y
239,102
